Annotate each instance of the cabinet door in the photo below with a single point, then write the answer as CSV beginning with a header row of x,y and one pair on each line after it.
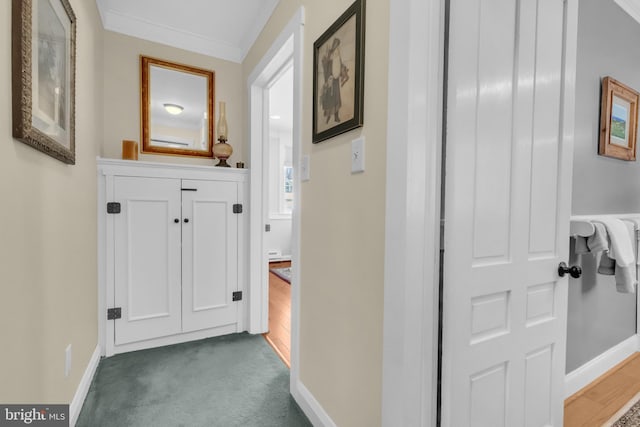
x,y
147,258
209,254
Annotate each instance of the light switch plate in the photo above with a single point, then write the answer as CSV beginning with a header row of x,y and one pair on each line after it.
x,y
357,155
305,168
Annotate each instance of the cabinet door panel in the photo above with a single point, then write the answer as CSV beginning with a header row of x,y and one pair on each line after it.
x,y
147,258
209,254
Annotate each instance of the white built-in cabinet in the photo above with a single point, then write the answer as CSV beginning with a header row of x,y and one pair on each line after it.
x,y
172,253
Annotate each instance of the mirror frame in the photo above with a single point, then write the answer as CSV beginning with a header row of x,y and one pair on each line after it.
x,y
145,99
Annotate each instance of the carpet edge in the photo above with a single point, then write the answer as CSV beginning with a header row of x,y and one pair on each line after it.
x,y
615,417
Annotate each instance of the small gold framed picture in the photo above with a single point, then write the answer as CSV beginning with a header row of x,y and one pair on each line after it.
x,y
618,120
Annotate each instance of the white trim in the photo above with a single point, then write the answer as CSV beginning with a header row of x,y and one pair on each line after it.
x,y
311,407
632,7
167,170
280,258
258,297
102,261
296,232
565,175
173,339
83,388
596,367
414,145
136,26
276,216
143,29
277,55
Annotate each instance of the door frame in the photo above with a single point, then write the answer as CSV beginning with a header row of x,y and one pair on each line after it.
x,y
417,78
412,230
286,48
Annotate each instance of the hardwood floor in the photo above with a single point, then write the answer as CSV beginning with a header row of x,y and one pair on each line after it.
x,y
596,403
279,335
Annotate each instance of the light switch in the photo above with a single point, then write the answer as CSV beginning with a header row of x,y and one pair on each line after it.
x,y
357,155
305,172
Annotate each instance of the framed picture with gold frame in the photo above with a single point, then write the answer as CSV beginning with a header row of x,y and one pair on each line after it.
x,y
618,120
43,76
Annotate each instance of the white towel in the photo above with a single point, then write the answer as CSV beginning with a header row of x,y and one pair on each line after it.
x,y
621,235
636,223
581,245
607,266
598,241
626,279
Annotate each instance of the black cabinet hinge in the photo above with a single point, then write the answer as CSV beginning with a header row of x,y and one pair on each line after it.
x,y
237,208
114,313
113,208
236,296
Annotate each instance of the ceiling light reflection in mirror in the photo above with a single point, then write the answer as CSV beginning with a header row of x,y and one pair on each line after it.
x,y
178,109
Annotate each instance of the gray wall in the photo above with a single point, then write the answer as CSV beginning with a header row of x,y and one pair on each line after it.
x,y
608,45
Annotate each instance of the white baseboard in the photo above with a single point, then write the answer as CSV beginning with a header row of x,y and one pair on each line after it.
x,y
180,338
590,371
311,407
280,258
83,387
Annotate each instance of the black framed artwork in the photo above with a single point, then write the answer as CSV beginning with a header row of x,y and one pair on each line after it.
x,y
338,75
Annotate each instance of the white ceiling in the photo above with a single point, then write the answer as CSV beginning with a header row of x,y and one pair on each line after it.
x,y
224,29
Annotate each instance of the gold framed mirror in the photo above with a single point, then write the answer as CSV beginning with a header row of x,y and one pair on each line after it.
x,y
177,108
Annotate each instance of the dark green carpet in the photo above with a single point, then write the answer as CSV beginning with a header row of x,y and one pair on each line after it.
x,y
234,380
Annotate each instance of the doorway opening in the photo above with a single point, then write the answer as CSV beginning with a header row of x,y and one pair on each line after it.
x,y
278,165
285,52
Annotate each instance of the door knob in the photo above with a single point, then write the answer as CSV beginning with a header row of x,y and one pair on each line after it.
x,y
176,220
186,220
574,271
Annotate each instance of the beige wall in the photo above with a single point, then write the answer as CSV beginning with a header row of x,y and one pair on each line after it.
x,y
342,229
122,94
48,267
48,259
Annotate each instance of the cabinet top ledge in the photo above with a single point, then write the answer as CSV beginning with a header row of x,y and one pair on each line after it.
x,y
137,167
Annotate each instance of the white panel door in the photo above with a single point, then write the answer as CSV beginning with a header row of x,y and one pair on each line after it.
x,y
507,206
147,258
209,254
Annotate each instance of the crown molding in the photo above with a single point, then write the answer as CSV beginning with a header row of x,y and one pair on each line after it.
x,y
632,7
136,27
